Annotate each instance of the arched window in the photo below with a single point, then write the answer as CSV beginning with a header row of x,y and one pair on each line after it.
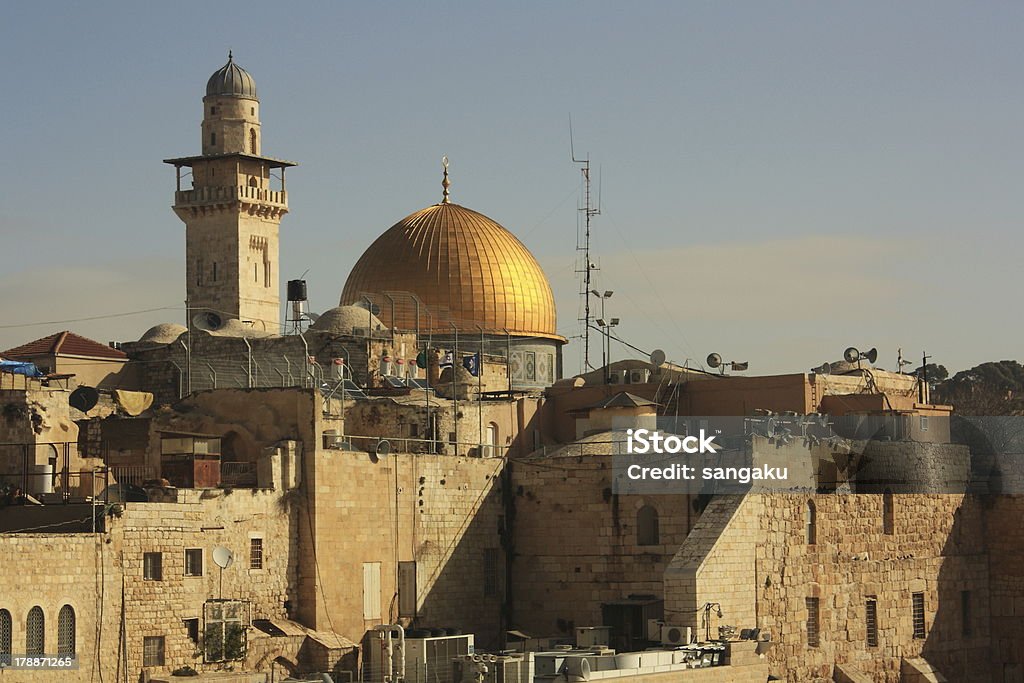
x,y
490,440
35,636
66,631
812,523
647,526
888,514
5,637
252,141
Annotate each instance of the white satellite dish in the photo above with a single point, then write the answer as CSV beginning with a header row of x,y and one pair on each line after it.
x,y
222,557
207,321
657,358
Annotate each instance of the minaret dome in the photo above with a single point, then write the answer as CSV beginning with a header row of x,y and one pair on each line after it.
x,y
231,112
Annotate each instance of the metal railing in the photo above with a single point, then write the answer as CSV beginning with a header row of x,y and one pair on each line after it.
x,y
372,443
44,469
238,474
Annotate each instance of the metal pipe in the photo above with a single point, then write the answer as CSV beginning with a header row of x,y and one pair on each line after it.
x,y
248,371
455,390
508,358
305,346
480,389
386,632
392,317
427,354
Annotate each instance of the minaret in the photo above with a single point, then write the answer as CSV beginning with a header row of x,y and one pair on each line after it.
x,y
232,214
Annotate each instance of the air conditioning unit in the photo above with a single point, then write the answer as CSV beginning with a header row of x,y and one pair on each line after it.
x,y
427,659
675,635
499,669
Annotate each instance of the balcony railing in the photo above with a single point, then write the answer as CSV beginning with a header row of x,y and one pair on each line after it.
x,y
230,193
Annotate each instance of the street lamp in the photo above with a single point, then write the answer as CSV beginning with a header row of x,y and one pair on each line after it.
x,y
606,347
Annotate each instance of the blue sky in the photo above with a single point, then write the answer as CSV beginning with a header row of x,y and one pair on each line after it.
x,y
779,180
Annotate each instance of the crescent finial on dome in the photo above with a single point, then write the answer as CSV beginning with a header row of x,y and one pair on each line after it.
x,y
445,183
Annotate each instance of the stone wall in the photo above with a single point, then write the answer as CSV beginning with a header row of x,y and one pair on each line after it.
x,y
29,580
1004,540
443,512
715,565
936,549
575,542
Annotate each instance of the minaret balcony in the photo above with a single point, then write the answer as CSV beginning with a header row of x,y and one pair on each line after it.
x,y
200,196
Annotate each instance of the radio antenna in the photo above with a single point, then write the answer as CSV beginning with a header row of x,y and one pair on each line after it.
x,y
587,268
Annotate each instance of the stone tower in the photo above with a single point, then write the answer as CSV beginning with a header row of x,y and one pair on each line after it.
x,y
232,214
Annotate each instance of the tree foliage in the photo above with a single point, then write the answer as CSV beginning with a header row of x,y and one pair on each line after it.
x,y
993,388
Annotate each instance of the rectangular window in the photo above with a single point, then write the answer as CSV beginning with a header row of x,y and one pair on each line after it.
x,y
255,553
965,613
224,630
193,562
924,423
153,566
918,615
153,651
407,589
490,572
213,138
192,629
871,620
266,273
199,272
813,638
371,590
214,271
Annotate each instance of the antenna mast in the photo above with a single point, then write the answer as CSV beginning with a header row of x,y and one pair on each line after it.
x,y
583,247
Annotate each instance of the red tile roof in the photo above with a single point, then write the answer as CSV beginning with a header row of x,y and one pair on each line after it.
x,y
64,344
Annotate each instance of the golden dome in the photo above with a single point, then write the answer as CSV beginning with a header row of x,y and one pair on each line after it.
x,y
465,269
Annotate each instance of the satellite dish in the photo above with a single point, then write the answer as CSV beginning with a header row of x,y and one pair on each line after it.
x,y
714,360
207,321
222,557
871,356
825,369
657,358
84,398
851,355
383,448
